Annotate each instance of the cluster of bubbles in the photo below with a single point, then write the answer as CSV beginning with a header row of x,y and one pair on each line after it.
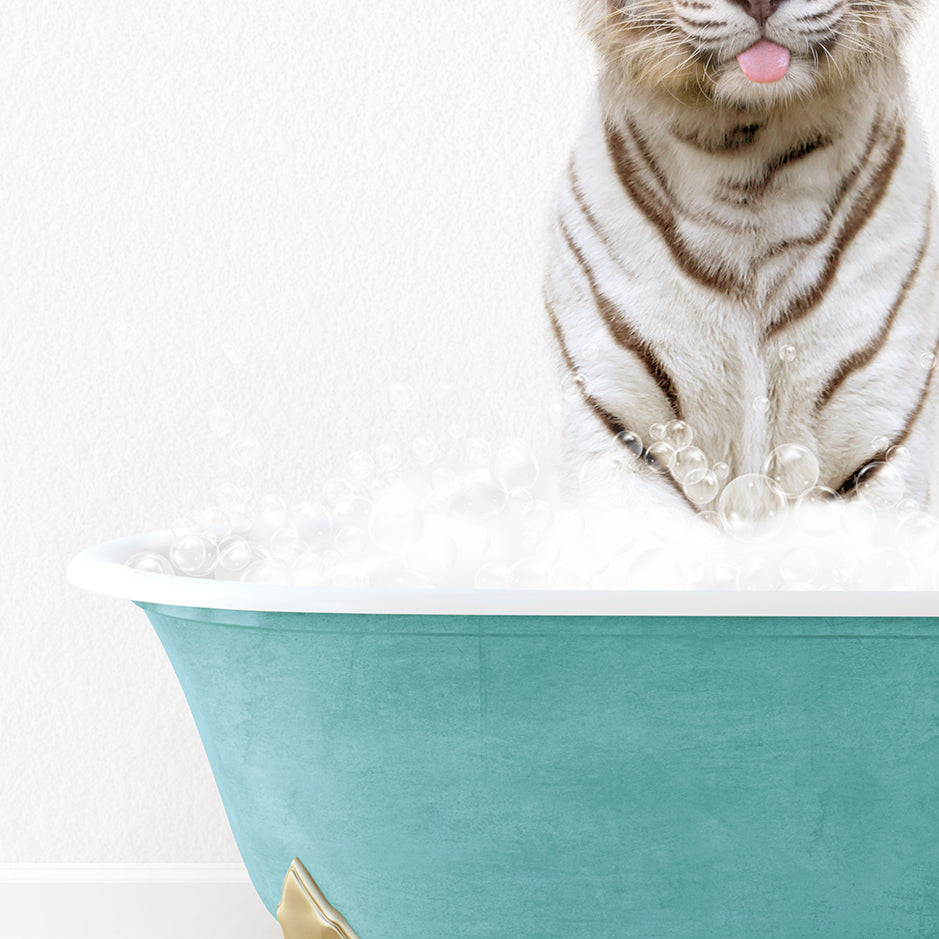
x,y
461,511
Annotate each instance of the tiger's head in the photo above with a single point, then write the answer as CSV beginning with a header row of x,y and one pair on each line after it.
x,y
748,53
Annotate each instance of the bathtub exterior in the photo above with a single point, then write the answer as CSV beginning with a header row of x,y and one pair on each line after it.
x,y
540,777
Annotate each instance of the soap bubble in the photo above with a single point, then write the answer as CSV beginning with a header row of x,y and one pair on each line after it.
x,y
286,543
927,361
351,541
150,562
657,432
234,554
687,461
245,450
402,397
234,353
272,510
221,422
339,495
425,450
663,456
817,512
192,554
573,386
481,496
389,457
313,523
266,571
629,441
899,456
880,485
799,566
359,467
515,466
793,469
215,521
477,451
721,471
761,404
123,335
308,570
751,507
242,517
787,353
678,434
918,535
395,524
758,574
881,443
701,486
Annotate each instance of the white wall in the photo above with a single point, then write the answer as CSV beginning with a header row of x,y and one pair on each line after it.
x,y
350,196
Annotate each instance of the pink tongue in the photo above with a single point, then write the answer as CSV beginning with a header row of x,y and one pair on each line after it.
x,y
764,61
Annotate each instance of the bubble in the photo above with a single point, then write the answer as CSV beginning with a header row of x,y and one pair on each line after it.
x,y
906,507
123,335
629,441
351,541
721,471
793,469
425,450
339,495
590,353
918,535
899,456
927,361
389,457
678,434
881,443
751,508
234,554
286,543
150,562
313,523
359,467
221,422
445,483
435,553
228,495
494,576
757,574
266,571
242,517
215,522
787,353
245,450
568,524
817,512
760,404
482,496
663,456
478,451
573,386
880,485
538,515
798,566
308,570
687,461
272,510
395,524
884,569
657,432
192,554
515,466
701,486
234,353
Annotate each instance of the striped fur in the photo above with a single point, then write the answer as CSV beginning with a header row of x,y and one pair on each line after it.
x,y
707,223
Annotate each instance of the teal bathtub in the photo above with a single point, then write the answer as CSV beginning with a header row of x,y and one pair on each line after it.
x,y
483,765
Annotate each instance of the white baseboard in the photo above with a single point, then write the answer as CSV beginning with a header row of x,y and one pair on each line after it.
x,y
152,901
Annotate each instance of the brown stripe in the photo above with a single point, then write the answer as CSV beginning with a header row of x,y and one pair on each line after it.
x,y
849,487
860,358
622,332
757,186
591,219
612,423
737,138
664,220
860,212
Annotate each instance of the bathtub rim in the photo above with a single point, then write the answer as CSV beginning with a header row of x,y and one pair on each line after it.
x,y
101,569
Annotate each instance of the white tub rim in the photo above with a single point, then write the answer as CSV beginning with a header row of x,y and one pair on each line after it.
x,y
102,569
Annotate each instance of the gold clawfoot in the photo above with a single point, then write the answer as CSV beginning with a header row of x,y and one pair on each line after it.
x,y
304,913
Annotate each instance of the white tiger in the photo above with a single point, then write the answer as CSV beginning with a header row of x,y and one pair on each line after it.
x,y
745,240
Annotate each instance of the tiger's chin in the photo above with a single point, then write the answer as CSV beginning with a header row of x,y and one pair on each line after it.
x,y
732,88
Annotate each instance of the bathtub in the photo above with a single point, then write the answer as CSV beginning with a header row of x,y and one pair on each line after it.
x,y
540,764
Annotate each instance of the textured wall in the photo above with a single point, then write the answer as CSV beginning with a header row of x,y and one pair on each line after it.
x,y
280,208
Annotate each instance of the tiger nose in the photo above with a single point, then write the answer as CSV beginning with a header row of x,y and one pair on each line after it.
x,y
760,10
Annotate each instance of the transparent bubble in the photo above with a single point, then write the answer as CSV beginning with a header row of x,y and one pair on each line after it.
x,y
351,541
907,507
266,571
927,361
721,471
216,522
389,457
445,482
678,434
401,397
787,353
313,523
425,450
234,554
884,569
515,465
395,524
606,480
629,441
245,450
793,469
234,353
435,554
701,486
817,512
478,451
286,543
308,570
899,456
150,562
663,456
192,554
657,432
228,495
482,496
687,461
880,485
538,515
359,467
272,510
760,404
492,576
242,517
881,443
123,335
918,535
751,507
339,495
573,386
221,422
758,574
799,566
